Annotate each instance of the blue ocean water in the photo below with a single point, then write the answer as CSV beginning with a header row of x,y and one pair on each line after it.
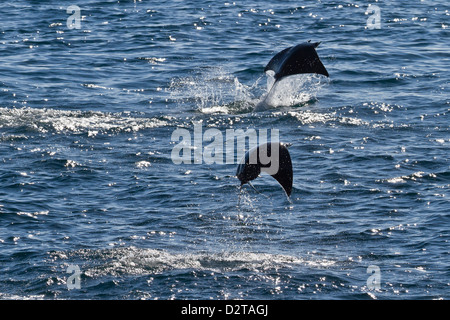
x,y
92,205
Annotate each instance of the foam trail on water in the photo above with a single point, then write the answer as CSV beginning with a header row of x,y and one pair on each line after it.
x,y
90,122
132,260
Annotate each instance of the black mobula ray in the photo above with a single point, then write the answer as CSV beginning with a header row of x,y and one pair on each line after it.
x,y
301,58
298,59
272,158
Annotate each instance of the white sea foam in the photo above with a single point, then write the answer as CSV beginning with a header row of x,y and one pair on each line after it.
x,y
132,260
33,214
90,122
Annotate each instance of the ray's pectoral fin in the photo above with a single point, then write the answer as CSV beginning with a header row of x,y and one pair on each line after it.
x,y
284,174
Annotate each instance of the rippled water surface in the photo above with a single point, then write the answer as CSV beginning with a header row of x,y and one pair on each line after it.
x,y
90,192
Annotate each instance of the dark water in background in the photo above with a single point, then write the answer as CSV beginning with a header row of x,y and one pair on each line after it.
x,y
87,179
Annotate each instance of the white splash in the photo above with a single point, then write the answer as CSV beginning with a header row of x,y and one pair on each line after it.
x,y
290,91
212,91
